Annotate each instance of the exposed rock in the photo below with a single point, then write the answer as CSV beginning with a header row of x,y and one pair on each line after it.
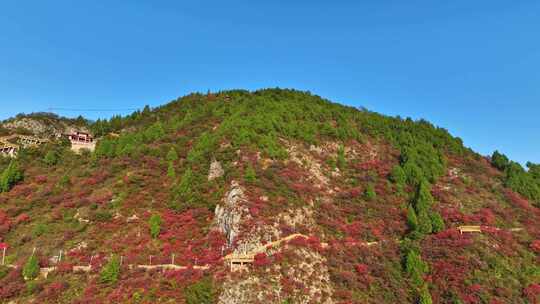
x,y
216,171
132,218
311,273
46,127
230,213
310,163
82,215
82,245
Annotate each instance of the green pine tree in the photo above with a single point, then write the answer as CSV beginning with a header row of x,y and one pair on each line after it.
x,y
31,268
412,219
10,176
111,271
171,172
51,158
172,155
249,175
155,225
370,193
437,222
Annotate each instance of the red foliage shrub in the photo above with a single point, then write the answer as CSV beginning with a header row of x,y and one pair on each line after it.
x,y
299,241
21,191
56,199
361,269
517,200
261,260
535,246
532,292
484,216
184,276
5,223
475,288
101,198
41,179
22,218
453,215
53,290
352,193
64,267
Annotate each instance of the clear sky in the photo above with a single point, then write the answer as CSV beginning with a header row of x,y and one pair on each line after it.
x,y
472,67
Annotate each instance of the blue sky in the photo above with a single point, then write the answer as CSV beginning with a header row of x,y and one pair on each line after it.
x,y
472,67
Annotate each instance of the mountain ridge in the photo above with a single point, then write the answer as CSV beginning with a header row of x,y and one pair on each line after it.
x,y
210,175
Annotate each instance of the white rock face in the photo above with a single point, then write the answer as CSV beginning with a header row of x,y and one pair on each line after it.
x,y
230,213
216,171
49,128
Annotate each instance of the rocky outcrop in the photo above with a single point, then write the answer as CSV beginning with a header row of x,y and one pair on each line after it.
x,y
230,214
216,171
48,127
310,272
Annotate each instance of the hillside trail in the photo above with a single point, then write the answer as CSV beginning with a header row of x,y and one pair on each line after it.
x,y
240,260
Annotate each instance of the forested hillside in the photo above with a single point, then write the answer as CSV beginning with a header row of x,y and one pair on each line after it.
x,y
271,196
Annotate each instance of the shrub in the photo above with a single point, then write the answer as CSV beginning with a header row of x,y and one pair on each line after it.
x,y
103,216
31,268
111,271
39,229
155,225
51,158
370,193
535,246
201,292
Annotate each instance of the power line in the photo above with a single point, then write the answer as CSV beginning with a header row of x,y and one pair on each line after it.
x,y
91,110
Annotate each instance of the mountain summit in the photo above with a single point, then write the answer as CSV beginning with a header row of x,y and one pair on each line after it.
x,y
271,196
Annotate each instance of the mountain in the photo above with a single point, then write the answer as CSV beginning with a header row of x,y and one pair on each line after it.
x,y
275,196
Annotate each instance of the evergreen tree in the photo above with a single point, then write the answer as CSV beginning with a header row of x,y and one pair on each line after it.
x,y
424,222
415,268
341,161
370,193
172,155
397,175
412,220
183,193
425,296
499,161
424,199
155,225
250,176
111,271
31,268
437,222
171,172
10,176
